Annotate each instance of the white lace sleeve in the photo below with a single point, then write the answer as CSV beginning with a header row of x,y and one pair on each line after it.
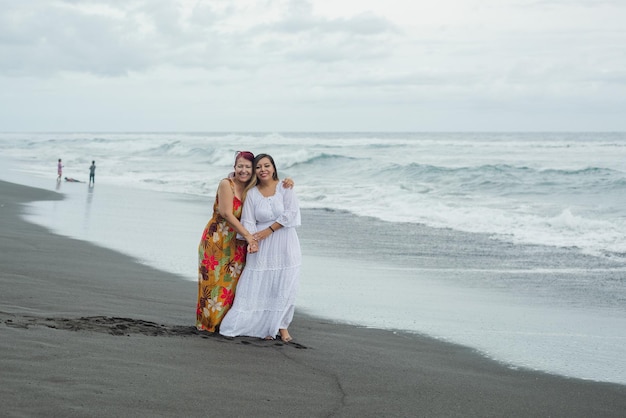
x,y
291,215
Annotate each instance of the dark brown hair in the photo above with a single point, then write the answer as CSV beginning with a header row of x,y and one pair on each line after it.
x,y
269,157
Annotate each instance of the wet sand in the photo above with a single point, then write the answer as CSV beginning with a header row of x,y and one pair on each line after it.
x,y
86,331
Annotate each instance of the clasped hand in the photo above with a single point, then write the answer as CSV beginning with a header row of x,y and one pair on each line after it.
x,y
253,247
262,234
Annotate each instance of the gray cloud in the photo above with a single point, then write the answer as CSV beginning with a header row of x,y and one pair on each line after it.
x,y
142,59
365,24
43,38
585,3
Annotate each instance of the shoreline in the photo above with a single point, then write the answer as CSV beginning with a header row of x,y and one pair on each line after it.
x,y
512,303
87,331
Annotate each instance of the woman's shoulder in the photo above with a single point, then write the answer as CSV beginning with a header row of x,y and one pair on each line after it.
x,y
254,192
226,184
226,181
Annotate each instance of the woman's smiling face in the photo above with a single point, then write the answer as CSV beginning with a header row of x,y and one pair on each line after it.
x,y
265,169
243,170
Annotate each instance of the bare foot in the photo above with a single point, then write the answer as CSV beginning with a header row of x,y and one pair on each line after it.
x,y
284,335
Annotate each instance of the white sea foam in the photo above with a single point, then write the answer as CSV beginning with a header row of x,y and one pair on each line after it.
x,y
566,190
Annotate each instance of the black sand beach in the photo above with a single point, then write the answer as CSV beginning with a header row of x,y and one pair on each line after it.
x,y
88,332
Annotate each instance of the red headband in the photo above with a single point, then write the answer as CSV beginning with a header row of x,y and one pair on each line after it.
x,y
244,154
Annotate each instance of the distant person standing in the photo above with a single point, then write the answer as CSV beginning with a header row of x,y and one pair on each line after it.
x,y
92,173
59,170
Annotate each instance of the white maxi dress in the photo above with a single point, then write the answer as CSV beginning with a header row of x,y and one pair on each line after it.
x,y
266,291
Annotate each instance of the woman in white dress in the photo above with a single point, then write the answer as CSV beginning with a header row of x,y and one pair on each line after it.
x,y
267,288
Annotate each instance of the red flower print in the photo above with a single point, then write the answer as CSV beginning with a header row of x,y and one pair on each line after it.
x,y
228,296
210,262
236,204
240,253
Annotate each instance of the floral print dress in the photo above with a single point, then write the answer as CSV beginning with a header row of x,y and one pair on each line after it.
x,y
221,258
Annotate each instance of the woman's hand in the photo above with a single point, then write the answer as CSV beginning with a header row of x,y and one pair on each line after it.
x,y
261,235
288,183
253,247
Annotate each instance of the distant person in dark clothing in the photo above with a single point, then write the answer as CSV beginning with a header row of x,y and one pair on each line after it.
x,y
92,173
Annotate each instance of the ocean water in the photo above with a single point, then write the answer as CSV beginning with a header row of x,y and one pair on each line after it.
x,y
511,243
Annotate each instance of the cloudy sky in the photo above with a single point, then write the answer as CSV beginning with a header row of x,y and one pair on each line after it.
x,y
317,65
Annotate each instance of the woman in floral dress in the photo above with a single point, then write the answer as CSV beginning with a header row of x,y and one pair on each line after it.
x,y
221,256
